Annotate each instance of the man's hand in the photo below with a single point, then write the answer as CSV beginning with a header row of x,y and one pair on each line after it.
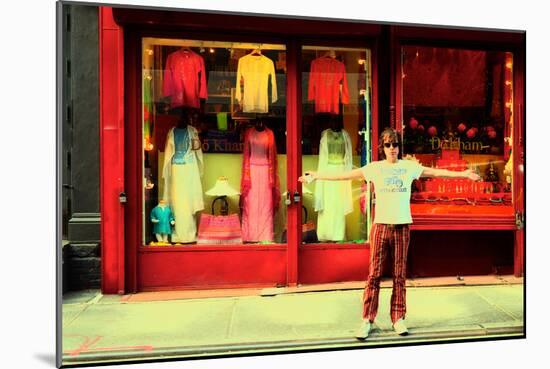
x,y
308,177
470,174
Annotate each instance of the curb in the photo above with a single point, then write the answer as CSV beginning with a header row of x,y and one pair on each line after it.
x,y
513,329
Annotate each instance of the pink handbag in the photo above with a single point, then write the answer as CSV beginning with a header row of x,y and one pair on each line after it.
x,y
219,229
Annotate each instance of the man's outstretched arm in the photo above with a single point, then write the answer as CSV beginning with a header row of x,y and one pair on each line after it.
x,y
434,172
352,174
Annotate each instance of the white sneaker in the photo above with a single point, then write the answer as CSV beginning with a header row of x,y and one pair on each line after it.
x,y
363,330
400,328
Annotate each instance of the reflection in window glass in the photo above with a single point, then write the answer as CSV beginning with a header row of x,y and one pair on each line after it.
x,y
336,94
458,114
214,145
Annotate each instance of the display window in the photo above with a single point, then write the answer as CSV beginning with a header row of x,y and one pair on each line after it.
x,y
457,107
214,143
336,126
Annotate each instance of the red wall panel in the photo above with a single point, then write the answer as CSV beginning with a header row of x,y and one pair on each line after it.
x,y
319,264
213,267
454,253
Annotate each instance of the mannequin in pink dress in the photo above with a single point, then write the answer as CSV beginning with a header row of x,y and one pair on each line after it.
x,y
260,184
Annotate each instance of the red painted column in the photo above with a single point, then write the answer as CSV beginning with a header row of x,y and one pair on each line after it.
x,y
396,81
111,120
518,153
294,155
133,158
375,121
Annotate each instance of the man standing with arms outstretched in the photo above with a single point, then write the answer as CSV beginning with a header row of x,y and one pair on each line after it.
x,y
392,179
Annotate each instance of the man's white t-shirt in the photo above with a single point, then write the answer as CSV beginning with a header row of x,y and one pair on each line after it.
x,y
392,186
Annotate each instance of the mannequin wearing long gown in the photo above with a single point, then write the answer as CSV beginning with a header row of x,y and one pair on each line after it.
x,y
333,199
260,184
182,173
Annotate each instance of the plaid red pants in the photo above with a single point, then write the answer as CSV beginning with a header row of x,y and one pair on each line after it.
x,y
395,239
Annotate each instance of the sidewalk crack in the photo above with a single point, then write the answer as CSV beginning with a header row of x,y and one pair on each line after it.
x,y
498,307
86,306
230,325
95,300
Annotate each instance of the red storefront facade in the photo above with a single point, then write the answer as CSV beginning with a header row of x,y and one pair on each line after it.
x,y
129,262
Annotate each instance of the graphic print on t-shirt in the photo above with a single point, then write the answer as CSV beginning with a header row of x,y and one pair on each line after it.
x,y
393,180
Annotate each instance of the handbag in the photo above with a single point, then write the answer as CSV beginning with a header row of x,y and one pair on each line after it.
x,y
219,229
309,234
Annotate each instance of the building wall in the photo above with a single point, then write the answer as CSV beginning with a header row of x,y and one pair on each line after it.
x,y
80,147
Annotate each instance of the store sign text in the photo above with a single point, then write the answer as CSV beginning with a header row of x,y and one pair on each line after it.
x,y
215,145
456,144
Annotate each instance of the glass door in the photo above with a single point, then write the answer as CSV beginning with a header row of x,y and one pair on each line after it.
x,y
336,129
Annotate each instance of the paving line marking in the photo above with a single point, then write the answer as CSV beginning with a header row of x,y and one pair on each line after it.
x,y
83,346
86,347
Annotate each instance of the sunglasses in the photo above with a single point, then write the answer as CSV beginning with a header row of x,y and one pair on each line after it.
x,y
387,145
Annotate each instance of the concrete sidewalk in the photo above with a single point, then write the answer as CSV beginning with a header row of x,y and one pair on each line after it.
x,y
98,328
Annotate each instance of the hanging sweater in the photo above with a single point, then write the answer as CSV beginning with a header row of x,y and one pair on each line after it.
x,y
254,72
325,77
185,79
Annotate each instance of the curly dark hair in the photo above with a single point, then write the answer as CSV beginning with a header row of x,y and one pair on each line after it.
x,y
393,136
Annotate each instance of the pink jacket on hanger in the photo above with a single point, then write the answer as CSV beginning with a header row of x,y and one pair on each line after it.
x,y
325,76
185,79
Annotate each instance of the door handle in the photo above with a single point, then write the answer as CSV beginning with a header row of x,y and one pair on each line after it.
x,y
287,200
122,198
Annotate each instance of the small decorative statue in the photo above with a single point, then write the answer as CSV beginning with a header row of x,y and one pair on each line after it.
x,y
163,220
492,176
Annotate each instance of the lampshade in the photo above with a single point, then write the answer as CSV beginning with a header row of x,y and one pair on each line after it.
x,y
222,188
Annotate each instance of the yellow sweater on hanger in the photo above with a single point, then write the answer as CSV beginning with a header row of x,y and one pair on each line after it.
x,y
254,71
